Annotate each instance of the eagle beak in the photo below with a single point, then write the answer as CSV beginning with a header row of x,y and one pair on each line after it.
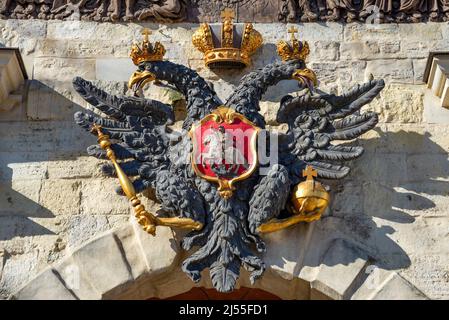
x,y
307,78
139,79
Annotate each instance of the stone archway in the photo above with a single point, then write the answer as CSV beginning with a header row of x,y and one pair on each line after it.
x,y
126,263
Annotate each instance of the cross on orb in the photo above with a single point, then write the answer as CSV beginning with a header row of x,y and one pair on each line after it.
x,y
309,172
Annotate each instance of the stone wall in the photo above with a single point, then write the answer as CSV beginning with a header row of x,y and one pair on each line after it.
x,y
393,204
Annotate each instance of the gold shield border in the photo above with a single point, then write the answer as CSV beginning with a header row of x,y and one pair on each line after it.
x,y
227,115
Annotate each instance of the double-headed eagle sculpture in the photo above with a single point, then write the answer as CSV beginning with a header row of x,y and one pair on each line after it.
x,y
225,212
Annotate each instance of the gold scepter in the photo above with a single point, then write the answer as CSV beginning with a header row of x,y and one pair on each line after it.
x,y
148,220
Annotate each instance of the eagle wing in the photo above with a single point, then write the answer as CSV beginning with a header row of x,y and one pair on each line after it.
x,y
316,120
138,125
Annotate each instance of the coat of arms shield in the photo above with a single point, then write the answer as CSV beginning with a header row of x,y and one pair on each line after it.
x,y
224,148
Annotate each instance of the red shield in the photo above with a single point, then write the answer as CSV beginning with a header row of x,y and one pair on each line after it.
x,y
224,148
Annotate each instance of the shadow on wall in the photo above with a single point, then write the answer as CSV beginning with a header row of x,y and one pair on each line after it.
x,y
29,139
397,179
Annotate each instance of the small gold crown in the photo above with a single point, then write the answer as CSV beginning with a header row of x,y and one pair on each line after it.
x,y
147,51
230,47
295,50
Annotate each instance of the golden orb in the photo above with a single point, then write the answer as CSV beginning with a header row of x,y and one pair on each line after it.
x,y
309,198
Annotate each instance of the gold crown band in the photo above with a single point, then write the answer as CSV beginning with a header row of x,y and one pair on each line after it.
x,y
147,51
295,50
227,55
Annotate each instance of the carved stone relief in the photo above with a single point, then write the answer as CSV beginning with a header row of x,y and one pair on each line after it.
x,y
96,10
364,10
382,11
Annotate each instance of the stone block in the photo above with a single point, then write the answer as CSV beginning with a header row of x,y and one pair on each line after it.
x,y
329,31
375,278
406,138
36,29
44,103
177,283
93,48
81,228
20,197
386,168
81,167
434,113
46,286
70,30
345,260
326,72
445,30
347,199
419,31
418,168
349,73
3,255
429,273
397,288
26,171
393,71
419,66
74,279
384,202
161,252
103,263
376,32
66,69
269,111
114,69
132,249
114,31
98,196
325,50
418,239
61,196
399,103
357,50
417,49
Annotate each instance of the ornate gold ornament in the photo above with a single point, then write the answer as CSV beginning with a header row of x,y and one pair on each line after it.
x,y
146,51
304,75
295,50
233,45
211,192
308,202
225,117
148,220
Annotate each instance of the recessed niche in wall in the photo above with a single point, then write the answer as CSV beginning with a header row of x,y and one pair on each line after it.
x,y
436,98
12,77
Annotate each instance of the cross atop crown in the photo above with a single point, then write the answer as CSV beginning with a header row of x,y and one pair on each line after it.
x,y
309,172
292,30
146,33
227,14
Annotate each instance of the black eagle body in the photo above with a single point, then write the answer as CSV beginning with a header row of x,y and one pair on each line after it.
x,y
158,157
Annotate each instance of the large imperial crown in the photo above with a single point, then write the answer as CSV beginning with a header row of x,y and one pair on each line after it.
x,y
147,51
295,50
228,46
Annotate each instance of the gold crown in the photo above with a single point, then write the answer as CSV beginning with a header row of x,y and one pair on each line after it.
x,y
147,51
295,50
230,47
309,198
